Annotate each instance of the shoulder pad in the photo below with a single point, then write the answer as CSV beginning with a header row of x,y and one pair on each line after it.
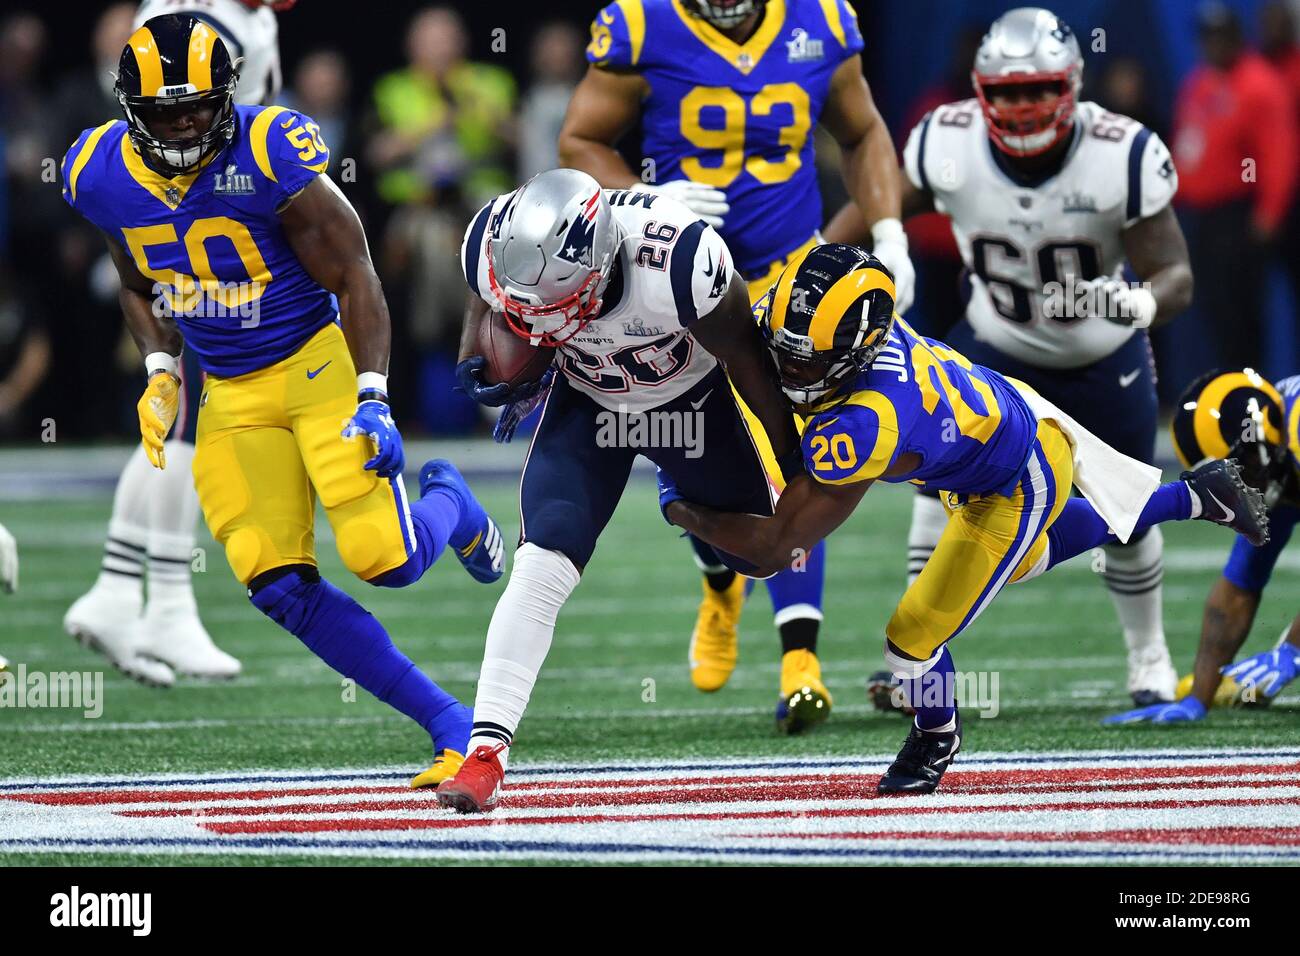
x,y
618,35
856,441
287,147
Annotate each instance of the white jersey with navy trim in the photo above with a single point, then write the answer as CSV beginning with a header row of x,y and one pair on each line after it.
x,y
672,269
1018,239
250,35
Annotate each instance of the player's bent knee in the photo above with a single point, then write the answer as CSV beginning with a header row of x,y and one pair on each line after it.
x,y
286,594
250,554
368,550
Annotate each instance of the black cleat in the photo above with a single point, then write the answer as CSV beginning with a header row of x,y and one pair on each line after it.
x,y
1148,698
882,691
921,762
1226,499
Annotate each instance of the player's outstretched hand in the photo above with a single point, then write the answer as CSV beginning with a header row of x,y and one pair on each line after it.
x,y
516,412
1115,301
708,203
1180,711
158,408
889,245
469,379
8,561
374,419
1268,671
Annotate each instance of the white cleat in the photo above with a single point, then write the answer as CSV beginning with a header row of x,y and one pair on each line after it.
x,y
1151,676
178,638
111,627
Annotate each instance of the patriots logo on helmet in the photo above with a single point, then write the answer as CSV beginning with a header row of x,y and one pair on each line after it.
x,y
580,239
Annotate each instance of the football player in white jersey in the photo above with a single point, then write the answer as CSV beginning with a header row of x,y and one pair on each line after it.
x,y
155,512
641,299
8,570
250,32
1049,197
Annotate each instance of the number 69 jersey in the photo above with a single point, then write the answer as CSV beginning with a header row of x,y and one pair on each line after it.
x,y
671,270
1022,240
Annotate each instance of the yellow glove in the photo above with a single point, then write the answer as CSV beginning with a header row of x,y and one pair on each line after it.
x,y
158,408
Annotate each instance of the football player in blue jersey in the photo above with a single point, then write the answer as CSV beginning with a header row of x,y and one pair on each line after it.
x,y
887,404
727,93
1240,415
232,242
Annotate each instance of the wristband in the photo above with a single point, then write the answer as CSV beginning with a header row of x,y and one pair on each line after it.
x,y
372,382
887,231
156,362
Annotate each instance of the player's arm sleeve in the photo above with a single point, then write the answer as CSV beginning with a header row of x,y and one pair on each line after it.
x,y
857,441
914,154
473,257
1152,178
1249,567
289,151
699,272
842,21
618,36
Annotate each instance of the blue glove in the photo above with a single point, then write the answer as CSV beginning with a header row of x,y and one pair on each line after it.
x,y
516,412
469,379
1180,711
1268,671
668,492
374,419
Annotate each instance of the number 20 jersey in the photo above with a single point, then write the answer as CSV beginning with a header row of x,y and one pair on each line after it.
x,y
738,117
1017,240
671,269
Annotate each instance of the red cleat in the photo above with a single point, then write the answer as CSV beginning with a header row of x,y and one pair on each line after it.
x,y
477,785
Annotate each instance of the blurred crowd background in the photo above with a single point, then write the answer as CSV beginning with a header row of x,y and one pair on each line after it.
x,y
430,110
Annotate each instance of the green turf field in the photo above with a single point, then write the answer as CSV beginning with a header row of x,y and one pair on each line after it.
x,y
1053,644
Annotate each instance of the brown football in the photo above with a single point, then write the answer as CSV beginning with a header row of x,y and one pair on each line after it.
x,y
510,357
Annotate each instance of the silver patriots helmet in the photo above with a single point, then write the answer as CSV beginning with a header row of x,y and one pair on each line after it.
x,y
550,252
1031,52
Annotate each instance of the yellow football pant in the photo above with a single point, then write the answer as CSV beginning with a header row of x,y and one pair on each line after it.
x,y
990,541
269,443
757,289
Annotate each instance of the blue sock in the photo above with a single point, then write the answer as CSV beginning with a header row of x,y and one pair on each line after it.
x,y
802,585
934,693
433,519
349,639
1079,528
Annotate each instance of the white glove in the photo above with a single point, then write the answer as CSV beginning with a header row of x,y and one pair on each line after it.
x,y
1115,301
8,561
889,245
706,202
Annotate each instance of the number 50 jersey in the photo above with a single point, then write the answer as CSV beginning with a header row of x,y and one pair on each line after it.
x,y
1020,239
671,269
211,240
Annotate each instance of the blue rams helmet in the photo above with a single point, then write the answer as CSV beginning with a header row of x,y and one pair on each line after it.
x,y
172,67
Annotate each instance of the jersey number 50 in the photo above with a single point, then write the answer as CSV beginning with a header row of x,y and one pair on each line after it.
x,y
730,138
184,292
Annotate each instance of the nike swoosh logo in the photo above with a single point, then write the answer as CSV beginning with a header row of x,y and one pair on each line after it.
x,y
700,404
830,421
709,271
1126,380
1228,513
311,374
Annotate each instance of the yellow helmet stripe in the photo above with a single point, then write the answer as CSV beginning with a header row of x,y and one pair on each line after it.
x,y
199,70
148,59
784,285
839,297
1205,420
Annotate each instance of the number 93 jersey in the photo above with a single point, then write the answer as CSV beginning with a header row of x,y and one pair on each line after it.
x,y
736,116
671,269
1024,241
211,240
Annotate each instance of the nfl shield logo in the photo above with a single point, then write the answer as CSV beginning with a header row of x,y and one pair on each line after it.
x,y
173,195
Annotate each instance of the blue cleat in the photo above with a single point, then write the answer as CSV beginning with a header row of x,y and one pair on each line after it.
x,y
476,539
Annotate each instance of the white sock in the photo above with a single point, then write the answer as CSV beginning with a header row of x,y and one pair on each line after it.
x,y
517,642
1133,573
928,521
122,573
173,514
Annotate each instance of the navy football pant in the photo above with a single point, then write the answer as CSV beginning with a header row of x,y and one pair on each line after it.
x,y
580,460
